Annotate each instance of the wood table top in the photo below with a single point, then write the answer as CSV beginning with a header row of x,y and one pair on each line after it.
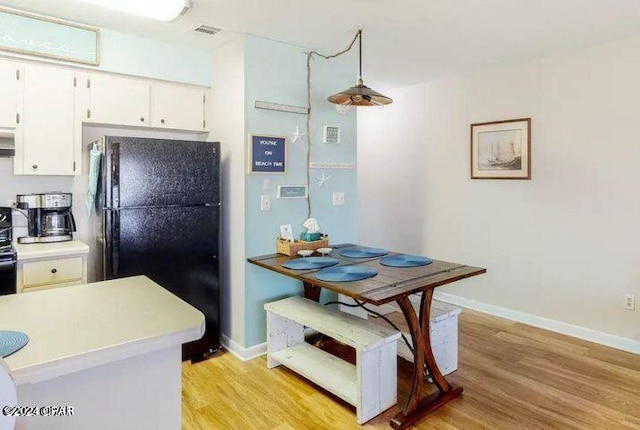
x,y
388,285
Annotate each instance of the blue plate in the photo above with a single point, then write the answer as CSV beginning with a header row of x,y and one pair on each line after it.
x,y
346,273
308,263
11,341
405,261
362,252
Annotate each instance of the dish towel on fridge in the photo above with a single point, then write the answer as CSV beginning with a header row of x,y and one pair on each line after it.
x,y
94,172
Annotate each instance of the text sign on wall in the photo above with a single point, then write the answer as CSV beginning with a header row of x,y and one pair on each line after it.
x,y
293,191
268,154
31,34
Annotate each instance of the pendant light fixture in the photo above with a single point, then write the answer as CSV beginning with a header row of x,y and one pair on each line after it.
x,y
161,10
360,94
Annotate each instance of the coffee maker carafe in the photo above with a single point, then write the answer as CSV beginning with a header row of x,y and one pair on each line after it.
x,y
49,215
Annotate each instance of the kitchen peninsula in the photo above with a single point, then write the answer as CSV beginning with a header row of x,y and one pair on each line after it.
x,y
110,350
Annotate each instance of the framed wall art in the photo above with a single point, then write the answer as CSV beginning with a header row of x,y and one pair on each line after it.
x,y
267,154
42,36
501,149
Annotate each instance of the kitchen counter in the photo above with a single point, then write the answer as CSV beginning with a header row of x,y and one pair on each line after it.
x,y
111,350
33,251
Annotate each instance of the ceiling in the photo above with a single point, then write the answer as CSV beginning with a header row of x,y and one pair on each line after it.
x,y
405,41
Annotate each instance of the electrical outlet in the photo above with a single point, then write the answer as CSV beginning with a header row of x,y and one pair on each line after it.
x,y
338,199
630,302
11,203
265,202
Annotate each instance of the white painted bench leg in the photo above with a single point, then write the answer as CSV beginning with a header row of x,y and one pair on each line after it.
x,y
281,334
377,381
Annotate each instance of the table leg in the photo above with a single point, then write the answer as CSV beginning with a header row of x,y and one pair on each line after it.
x,y
311,292
416,408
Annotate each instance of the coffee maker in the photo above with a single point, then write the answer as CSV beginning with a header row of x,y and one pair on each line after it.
x,y
49,215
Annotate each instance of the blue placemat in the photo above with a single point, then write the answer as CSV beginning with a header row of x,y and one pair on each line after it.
x,y
12,341
405,261
307,263
362,252
346,273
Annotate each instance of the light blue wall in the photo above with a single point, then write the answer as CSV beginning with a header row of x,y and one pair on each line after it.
x,y
134,55
276,72
140,56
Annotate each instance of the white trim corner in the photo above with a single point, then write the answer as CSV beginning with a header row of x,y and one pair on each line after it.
x,y
242,353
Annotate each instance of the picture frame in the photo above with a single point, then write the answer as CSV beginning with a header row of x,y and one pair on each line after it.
x,y
286,232
267,154
501,149
293,191
42,36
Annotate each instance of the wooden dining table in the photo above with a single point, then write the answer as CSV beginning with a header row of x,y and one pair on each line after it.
x,y
389,285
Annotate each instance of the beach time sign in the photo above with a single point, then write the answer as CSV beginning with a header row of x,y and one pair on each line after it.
x,y
267,154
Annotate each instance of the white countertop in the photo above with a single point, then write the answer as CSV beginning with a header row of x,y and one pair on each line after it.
x,y
84,326
31,251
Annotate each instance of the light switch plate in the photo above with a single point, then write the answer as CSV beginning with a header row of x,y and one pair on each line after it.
x,y
265,202
338,199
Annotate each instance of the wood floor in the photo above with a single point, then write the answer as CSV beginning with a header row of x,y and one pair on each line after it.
x,y
514,377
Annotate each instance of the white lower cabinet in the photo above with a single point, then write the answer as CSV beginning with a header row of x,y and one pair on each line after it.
x,y
47,273
45,266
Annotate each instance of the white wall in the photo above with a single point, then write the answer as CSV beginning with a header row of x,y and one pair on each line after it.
x,y
391,163
227,123
564,245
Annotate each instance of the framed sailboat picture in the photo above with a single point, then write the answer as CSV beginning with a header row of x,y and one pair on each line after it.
x,y
501,149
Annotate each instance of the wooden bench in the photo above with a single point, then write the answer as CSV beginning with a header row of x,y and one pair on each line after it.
x,y
370,385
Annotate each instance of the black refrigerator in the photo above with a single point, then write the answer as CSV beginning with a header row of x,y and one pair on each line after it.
x,y
159,216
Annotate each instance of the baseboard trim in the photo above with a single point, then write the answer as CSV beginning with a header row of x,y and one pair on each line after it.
x,y
242,353
579,332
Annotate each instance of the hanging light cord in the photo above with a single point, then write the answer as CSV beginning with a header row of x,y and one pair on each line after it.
x,y
310,55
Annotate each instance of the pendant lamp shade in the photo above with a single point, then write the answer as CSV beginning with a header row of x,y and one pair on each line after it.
x,y
360,94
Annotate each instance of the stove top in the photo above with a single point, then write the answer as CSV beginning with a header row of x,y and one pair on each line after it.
x,y
7,251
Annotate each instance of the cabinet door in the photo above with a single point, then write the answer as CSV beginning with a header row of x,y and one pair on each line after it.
x,y
177,106
47,124
9,91
118,100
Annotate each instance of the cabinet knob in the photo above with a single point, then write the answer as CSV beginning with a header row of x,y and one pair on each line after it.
x,y
54,271
35,166
142,119
162,121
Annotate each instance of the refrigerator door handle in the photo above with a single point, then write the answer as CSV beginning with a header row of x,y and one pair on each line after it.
x,y
111,240
115,241
112,185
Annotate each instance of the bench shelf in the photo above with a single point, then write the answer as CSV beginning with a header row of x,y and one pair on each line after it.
x,y
312,363
370,385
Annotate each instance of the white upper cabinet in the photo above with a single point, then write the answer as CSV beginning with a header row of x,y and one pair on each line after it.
x,y
9,93
46,105
177,106
45,135
117,100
